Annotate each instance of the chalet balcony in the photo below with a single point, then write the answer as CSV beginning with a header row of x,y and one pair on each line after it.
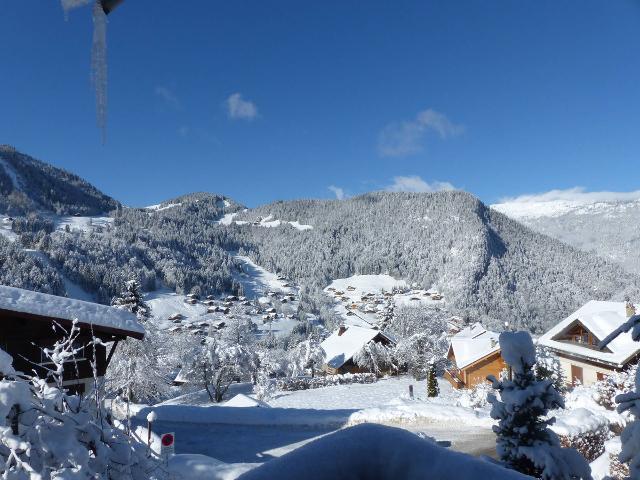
x,y
454,376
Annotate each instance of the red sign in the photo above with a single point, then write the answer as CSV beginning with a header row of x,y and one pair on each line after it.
x,y
167,439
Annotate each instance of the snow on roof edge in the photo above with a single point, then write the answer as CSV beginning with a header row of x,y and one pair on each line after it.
x,y
63,308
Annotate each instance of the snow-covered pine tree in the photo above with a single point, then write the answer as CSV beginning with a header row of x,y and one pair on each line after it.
x,y
548,367
131,299
524,441
432,382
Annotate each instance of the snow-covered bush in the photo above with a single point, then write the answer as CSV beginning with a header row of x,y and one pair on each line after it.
x,y
47,434
524,441
475,397
307,383
614,384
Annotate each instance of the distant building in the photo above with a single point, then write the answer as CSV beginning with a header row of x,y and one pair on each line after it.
x,y
474,353
31,321
344,343
575,341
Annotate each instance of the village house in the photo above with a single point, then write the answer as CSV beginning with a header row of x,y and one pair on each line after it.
x,y
344,343
575,341
474,353
31,321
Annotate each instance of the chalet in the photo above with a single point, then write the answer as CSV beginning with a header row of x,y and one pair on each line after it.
x,y
344,343
32,321
175,316
474,353
575,341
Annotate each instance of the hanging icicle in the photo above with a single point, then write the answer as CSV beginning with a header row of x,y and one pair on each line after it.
x,y
99,66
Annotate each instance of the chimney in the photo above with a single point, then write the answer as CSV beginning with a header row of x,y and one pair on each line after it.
x,y
341,330
631,309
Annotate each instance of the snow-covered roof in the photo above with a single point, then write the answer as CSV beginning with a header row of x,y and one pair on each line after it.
x,y
62,308
339,349
601,319
473,343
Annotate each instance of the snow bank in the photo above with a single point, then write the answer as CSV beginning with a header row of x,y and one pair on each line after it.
x,y
247,416
578,421
201,467
26,301
377,452
403,410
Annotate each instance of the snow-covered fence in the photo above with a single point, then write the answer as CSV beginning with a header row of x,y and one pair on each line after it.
x,y
306,383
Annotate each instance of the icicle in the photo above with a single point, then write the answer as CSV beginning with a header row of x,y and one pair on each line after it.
x,y
68,5
99,65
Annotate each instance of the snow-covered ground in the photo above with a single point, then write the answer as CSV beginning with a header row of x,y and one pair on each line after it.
x,y
266,222
248,436
256,281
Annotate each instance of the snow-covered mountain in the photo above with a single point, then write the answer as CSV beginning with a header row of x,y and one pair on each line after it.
x,y
606,224
28,185
487,266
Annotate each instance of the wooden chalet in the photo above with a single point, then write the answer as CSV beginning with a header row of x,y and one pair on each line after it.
x,y
575,341
474,353
344,343
31,321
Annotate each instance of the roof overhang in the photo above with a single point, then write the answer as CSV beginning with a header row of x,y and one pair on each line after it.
x,y
64,322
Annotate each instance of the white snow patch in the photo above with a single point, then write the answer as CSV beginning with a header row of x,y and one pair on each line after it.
x,y
159,207
242,401
12,174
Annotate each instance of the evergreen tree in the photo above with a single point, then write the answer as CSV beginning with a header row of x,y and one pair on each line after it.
x,y
524,441
432,382
131,299
548,367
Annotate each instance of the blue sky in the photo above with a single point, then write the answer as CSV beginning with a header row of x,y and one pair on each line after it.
x,y
284,99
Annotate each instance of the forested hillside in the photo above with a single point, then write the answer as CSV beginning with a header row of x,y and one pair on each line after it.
x,y
485,263
27,184
488,266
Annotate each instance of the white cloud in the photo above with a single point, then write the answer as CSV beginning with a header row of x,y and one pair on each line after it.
x,y
168,97
574,195
405,138
414,183
239,108
338,192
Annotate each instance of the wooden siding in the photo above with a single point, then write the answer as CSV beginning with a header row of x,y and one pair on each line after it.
x,y
477,372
